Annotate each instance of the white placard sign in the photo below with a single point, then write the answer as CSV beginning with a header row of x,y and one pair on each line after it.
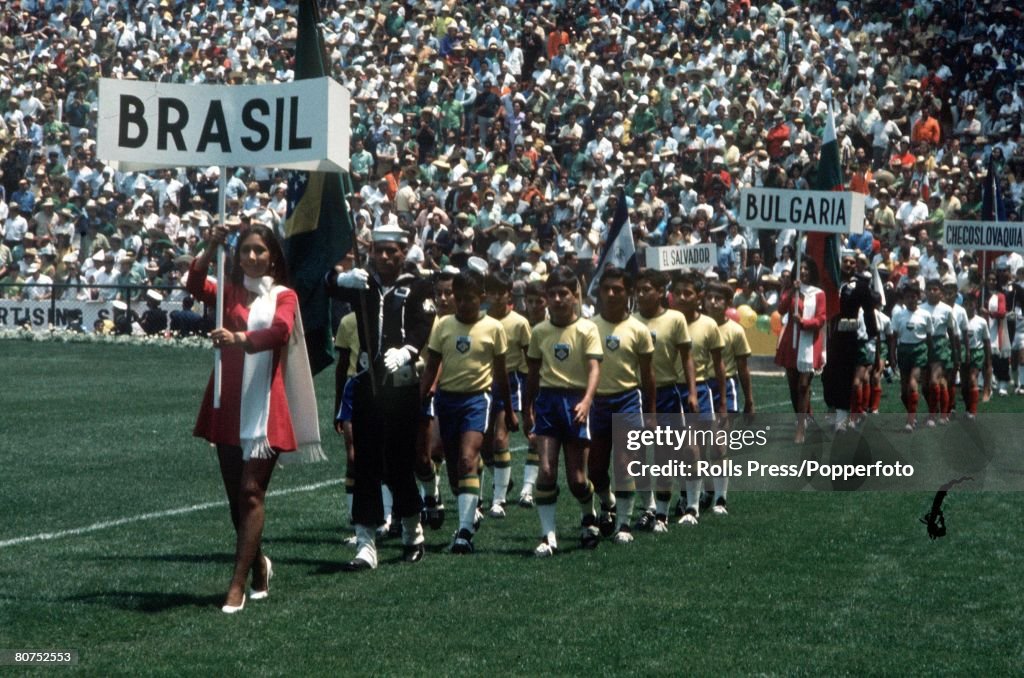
x,y
674,258
301,125
41,315
991,236
819,211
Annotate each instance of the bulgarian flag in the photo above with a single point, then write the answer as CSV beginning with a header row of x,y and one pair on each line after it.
x,y
318,227
823,248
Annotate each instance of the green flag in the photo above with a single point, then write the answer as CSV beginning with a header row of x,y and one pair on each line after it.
x,y
318,230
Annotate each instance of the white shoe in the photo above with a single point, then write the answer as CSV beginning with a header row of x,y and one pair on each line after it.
x,y
689,518
526,500
478,518
624,535
232,609
382,531
1019,390
497,511
930,423
660,524
262,595
1002,391
719,509
351,541
547,547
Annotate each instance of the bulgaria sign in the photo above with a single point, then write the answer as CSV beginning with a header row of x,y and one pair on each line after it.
x,y
301,125
697,257
819,211
985,235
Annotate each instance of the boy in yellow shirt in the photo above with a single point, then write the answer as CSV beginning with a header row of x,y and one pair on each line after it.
x,y
564,360
472,350
626,373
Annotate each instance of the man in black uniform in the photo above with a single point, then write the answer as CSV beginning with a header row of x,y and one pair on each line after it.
x,y
394,315
842,344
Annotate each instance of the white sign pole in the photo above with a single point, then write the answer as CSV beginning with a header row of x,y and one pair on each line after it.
x,y
222,200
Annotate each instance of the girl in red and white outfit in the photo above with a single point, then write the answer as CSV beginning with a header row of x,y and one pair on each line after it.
x,y
267,405
801,347
995,311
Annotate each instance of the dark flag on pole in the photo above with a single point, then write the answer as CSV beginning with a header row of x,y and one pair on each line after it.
x,y
992,206
318,229
824,248
619,248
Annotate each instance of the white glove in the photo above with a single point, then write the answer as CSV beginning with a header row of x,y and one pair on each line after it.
x,y
396,358
357,279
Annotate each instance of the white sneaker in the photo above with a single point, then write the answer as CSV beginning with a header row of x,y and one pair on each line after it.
x,y
660,524
689,518
547,547
478,518
1002,390
930,423
1019,390
719,509
497,511
624,535
526,500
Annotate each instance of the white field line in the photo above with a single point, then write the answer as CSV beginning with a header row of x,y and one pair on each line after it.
x,y
107,524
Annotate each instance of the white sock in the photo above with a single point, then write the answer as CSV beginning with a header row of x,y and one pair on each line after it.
x,y
426,488
389,502
624,510
721,484
694,488
467,510
661,506
412,531
437,483
645,498
1020,375
501,478
547,518
529,478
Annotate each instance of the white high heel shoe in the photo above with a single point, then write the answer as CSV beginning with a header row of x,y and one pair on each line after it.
x,y
262,595
231,609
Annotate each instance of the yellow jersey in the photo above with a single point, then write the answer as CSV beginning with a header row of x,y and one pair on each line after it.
x,y
348,338
564,352
467,352
736,345
517,329
669,331
623,343
706,338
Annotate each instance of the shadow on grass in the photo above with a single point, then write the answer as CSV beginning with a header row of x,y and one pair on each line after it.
x,y
147,601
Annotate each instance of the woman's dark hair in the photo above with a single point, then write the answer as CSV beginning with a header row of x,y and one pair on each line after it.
x,y
278,266
812,271
563,276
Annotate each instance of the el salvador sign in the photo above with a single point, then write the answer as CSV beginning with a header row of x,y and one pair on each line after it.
x,y
301,125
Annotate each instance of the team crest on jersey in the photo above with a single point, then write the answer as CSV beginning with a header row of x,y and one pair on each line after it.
x,y
462,344
612,342
562,351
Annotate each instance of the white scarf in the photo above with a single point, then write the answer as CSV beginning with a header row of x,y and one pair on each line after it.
x,y
257,373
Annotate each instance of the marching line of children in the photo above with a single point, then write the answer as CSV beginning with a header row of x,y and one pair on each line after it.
x,y
677,354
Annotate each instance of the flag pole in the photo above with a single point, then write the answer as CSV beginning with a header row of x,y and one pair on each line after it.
x,y
222,207
795,279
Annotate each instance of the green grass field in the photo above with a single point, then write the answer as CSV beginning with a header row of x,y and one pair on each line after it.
x,y
788,583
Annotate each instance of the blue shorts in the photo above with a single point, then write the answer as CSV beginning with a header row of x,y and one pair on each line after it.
x,y
347,391
515,387
731,394
458,413
704,405
553,417
667,400
626,402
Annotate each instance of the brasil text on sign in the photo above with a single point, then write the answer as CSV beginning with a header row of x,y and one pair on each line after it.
x,y
984,235
300,125
697,257
820,211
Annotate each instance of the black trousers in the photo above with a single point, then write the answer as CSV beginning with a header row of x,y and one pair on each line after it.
x,y
384,437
